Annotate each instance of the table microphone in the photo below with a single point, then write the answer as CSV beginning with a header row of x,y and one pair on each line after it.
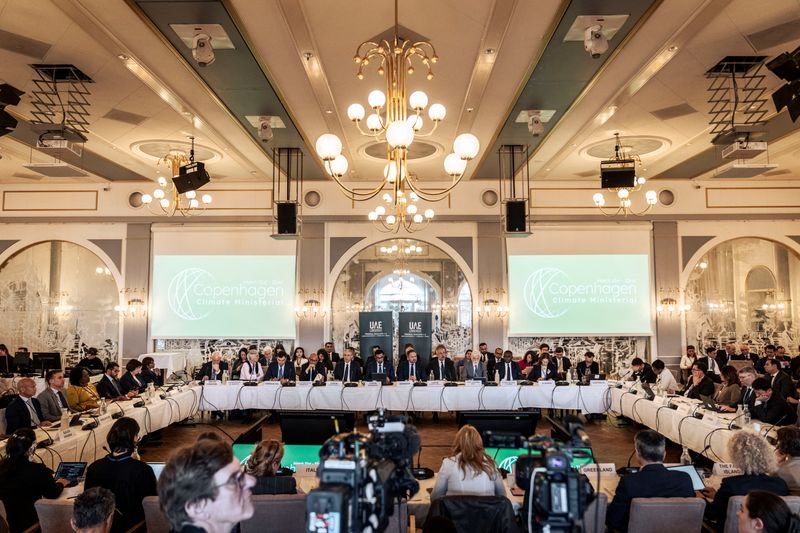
x,y
121,411
421,472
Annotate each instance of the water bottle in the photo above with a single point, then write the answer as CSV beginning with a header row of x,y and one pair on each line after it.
x,y
65,418
746,411
103,406
686,459
739,412
224,377
496,376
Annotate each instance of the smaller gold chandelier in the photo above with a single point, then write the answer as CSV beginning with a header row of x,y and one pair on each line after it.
x,y
168,201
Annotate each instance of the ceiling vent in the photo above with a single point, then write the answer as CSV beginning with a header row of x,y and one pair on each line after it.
x,y
57,170
58,147
744,150
744,170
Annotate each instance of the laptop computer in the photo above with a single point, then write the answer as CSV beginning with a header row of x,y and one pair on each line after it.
x,y
697,482
648,392
708,403
72,471
157,468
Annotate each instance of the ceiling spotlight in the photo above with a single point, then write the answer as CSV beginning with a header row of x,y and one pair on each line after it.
x,y
594,41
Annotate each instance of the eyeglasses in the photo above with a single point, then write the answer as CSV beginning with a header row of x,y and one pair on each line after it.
x,y
237,480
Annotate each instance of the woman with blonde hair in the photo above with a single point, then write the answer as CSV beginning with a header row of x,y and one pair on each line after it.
x,y
469,470
753,455
264,463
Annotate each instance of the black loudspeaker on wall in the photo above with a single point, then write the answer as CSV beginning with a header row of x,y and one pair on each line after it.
x,y
515,216
287,218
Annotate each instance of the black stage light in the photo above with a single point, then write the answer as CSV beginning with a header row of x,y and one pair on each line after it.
x,y
618,174
786,66
788,96
7,123
9,95
191,177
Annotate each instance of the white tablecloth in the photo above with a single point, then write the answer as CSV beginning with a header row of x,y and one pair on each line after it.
x,y
87,445
170,361
588,399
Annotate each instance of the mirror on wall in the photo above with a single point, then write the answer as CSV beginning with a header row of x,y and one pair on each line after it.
x,y
744,290
404,275
58,296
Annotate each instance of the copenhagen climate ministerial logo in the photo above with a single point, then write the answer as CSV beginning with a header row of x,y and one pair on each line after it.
x,y
538,291
181,289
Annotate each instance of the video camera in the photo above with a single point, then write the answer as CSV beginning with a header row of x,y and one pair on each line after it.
x,y
556,495
361,475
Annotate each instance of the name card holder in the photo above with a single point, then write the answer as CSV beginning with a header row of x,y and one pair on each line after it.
x,y
711,418
372,383
598,383
725,470
306,469
272,383
606,469
473,383
213,382
336,384
404,383
304,383
547,382
64,434
435,383
102,418
508,383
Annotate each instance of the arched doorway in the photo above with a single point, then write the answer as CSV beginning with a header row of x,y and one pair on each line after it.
x,y
404,275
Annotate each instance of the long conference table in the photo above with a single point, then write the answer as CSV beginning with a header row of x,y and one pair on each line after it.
x,y
435,397
87,445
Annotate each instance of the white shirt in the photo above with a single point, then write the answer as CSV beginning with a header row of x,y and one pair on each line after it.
x,y
713,366
666,380
252,372
687,362
451,480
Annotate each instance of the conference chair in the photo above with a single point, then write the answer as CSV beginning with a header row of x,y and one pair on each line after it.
x,y
154,517
596,509
285,513
666,515
54,515
478,514
732,523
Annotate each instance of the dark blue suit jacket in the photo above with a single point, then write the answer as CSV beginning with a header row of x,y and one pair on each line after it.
x,y
739,486
272,371
516,373
449,369
106,390
319,369
372,368
536,374
355,371
652,481
18,416
403,370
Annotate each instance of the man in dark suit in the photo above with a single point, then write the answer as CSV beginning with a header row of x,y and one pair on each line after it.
x,y
24,411
747,375
508,368
442,368
314,369
699,383
770,406
280,369
379,365
347,369
652,481
562,364
587,367
332,355
493,362
723,356
780,382
52,399
642,371
474,369
410,370
483,349
110,386
714,362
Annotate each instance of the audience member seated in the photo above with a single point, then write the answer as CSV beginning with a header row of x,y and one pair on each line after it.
x,y
81,395
561,363
378,365
330,353
410,370
213,368
91,362
24,411
787,453
241,359
745,354
299,358
347,370
264,463
325,358
474,369
642,371
747,375
149,374
699,384
252,369
780,381
110,387
23,481
764,512
280,369
132,381
664,378
652,481
493,362
754,457
203,488
470,470
526,364
52,399
507,369
440,366
93,511
314,369
714,361
731,390
588,367
123,474
770,407
544,369
687,361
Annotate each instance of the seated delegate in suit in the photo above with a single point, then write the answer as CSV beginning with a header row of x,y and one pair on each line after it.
x,y
508,369
128,478
753,455
652,481
314,369
562,363
263,464
474,368
699,384
714,362
378,365
587,367
347,370
252,369
132,381
52,399
780,381
731,389
110,387
747,375
642,371
410,370
787,453
23,481
213,368
546,369
440,366
149,374
81,395
469,470
770,407
24,411
280,369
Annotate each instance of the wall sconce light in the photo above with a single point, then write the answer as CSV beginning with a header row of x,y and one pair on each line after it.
x,y
491,304
311,306
132,303
669,305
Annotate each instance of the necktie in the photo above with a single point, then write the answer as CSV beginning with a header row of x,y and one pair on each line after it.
x,y
772,381
116,388
441,369
280,372
411,371
380,368
508,371
474,370
347,372
62,399
34,417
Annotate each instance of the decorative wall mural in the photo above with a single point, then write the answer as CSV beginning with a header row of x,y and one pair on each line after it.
x,y
613,354
745,290
58,296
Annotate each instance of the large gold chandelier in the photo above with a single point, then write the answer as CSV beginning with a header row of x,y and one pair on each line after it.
x,y
397,119
623,158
